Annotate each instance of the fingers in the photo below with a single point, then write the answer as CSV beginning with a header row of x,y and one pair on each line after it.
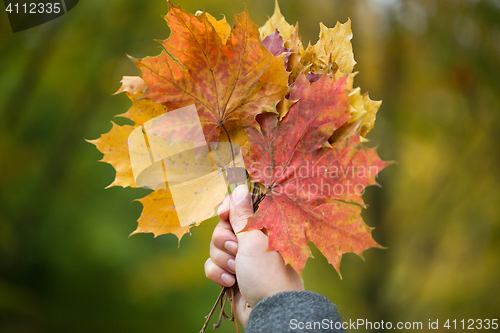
x,y
222,259
241,208
243,309
217,274
221,266
224,239
223,210
236,207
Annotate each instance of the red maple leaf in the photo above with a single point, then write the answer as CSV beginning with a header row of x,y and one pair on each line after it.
x,y
312,190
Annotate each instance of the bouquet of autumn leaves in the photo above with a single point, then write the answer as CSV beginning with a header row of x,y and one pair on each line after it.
x,y
294,113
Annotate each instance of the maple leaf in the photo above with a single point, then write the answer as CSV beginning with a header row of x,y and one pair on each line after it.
x,y
277,21
313,192
169,157
114,144
207,63
363,109
222,80
239,81
158,215
142,110
333,51
294,64
274,43
277,71
115,149
221,27
133,86
332,54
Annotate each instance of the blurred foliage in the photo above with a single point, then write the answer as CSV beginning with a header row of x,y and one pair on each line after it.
x,y
66,262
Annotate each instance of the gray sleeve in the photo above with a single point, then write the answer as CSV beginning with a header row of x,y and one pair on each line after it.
x,y
293,312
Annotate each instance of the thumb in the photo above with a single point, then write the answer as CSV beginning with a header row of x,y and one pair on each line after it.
x,y
240,208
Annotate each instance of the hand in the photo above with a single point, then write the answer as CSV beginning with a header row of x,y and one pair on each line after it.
x,y
260,273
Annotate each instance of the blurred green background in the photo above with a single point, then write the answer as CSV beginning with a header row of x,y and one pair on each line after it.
x,y
66,262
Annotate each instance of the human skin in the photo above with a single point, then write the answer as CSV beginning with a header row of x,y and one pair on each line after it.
x,y
243,256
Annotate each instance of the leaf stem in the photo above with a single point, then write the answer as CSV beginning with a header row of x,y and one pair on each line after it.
x,y
223,303
231,145
222,294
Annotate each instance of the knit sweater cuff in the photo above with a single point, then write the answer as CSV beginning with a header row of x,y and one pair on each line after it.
x,y
294,312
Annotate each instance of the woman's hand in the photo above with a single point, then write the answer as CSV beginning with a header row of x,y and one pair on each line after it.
x,y
260,273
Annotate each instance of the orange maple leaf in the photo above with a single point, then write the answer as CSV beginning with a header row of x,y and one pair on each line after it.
x,y
222,80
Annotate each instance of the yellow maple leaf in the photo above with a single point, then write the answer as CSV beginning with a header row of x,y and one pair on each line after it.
x,y
158,215
333,51
277,21
115,149
332,54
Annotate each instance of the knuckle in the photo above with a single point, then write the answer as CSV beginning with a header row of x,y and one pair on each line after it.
x,y
209,270
255,239
219,257
215,233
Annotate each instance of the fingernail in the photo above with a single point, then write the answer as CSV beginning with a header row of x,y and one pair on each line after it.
x,y
227,279
231,264
231,246
240,194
